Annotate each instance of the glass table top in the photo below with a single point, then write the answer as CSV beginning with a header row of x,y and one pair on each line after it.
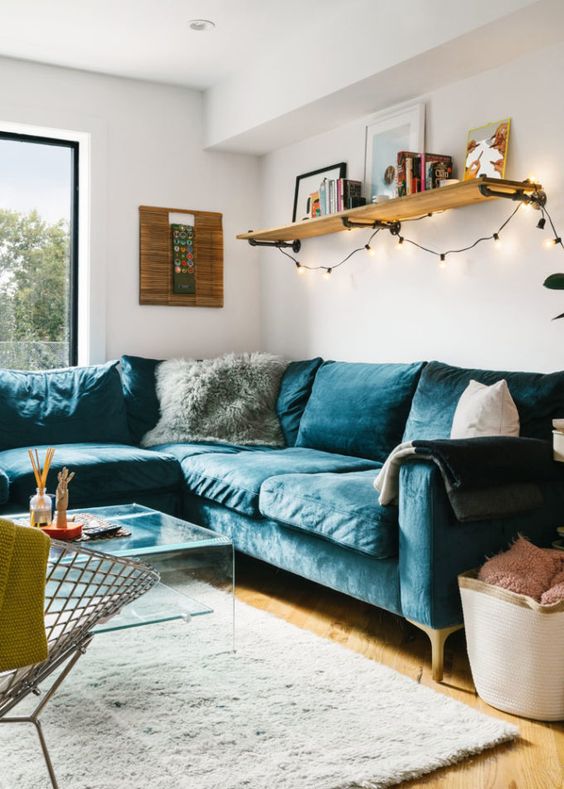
x,y
152,532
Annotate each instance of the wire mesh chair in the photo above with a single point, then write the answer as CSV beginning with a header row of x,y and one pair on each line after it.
x,y
83,588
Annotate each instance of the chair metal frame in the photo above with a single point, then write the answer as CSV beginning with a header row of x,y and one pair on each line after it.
x,y
83,588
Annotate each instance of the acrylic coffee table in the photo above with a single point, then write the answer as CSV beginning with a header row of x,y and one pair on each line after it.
x,y
168,544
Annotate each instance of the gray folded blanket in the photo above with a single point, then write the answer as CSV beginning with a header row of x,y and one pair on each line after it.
x,y
484,478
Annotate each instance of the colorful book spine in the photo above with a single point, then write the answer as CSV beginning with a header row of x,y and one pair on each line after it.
x,y
438,167
323,197
417,172
408,174
422,172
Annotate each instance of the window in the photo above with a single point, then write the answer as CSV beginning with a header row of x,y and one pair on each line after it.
x,y
38,252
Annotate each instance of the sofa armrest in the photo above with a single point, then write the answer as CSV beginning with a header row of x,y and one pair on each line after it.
x,y
434,547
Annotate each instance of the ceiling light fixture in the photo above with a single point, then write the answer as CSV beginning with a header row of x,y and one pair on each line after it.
x,y
201,25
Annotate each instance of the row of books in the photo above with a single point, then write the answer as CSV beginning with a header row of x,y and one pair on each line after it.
x,y
417,172
335,195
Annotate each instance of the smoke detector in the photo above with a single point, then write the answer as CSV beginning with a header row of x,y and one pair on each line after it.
x,y
201,25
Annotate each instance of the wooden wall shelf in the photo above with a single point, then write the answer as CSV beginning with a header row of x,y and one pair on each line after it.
x,y
400,208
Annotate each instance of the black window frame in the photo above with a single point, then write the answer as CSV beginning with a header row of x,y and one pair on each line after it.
x,y
74,147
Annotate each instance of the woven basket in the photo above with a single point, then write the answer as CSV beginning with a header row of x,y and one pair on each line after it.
x,y
516,649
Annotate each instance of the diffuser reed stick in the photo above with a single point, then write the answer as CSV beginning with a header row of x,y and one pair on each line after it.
x,y
40,473
35,468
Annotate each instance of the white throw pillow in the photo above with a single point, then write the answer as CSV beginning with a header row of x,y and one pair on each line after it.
x,y
485,411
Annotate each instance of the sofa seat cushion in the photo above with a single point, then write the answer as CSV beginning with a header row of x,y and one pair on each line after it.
x,y
234,480
183,450
341,508
103,472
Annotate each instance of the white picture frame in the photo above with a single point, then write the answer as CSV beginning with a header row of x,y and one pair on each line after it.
x,y
399,128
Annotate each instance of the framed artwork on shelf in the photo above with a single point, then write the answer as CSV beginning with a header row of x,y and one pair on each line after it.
x,y
400,128
486,150
309,183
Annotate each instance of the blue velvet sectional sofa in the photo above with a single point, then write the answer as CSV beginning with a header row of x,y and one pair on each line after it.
x,y
309,508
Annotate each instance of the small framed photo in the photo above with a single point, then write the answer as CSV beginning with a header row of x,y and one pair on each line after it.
x,y
486,150
309,183
400,128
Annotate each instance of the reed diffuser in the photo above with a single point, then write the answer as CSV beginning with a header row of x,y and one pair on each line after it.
x,y
40,506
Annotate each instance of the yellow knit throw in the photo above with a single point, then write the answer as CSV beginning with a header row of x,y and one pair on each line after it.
x,y
23,564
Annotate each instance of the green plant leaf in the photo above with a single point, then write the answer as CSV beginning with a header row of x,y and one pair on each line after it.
x,y
554,282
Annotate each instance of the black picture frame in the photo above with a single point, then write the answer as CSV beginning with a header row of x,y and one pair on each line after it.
x,y
302,189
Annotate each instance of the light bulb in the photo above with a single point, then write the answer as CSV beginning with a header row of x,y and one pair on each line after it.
x,y
442,261
371,251
327,273
300,269
550,243
400,242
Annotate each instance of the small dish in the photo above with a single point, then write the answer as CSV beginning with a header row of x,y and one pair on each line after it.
x,y
72,532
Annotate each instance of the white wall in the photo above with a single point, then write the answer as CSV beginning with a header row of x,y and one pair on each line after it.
x,y
146,144
487,308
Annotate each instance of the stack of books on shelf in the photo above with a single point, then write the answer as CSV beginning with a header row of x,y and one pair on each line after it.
x,y
335,195
417,172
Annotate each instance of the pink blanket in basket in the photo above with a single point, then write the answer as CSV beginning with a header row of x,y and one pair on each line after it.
x,y
527,569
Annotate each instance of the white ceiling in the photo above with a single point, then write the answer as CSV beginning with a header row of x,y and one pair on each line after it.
x,y
150,39
275,71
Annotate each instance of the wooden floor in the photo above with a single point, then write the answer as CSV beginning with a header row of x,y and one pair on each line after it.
x,y
535,761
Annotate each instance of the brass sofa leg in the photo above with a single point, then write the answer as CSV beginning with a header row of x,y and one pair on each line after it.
x,y
437,638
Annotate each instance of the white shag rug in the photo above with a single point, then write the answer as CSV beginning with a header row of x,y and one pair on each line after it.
x,y
161,707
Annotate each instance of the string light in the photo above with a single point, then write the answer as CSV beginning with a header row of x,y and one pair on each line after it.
x,y
550,243
403,241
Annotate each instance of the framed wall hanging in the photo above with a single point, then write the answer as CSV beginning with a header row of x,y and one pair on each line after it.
x,y
180,257
310,182
486,150
400,128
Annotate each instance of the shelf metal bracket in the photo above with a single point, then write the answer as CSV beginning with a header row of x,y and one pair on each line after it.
x,y
394,227
295,246
537,198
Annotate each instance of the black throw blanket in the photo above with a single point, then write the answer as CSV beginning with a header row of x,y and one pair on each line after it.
x,y
492,460
485,478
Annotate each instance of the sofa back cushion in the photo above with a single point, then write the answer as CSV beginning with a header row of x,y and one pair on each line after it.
x,y
358,409
295,389
79,404
139,381
539,398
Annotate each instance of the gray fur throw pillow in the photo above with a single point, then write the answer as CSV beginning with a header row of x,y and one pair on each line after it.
x,y
231,399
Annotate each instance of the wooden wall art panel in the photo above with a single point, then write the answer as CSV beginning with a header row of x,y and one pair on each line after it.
x,y
156,271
